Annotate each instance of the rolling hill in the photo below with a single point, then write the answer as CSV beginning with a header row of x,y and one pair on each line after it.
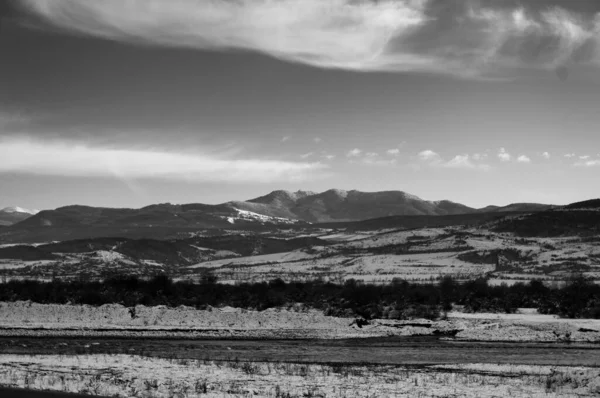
x,y
12,215
275,209
337,205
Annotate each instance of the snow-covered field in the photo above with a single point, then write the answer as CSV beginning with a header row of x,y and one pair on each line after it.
x,y
26,318
420,255
372,256
135,376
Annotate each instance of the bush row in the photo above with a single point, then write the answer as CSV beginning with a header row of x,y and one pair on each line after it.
x,y
398,300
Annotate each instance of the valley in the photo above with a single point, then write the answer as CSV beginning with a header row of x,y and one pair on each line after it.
x,y
231,302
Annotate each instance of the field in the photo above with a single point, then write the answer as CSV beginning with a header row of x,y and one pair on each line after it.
x,y
379,256
137,376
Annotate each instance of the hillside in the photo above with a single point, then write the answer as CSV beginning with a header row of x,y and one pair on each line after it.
x,y
337,205
13,215
274,210
516,207
566,221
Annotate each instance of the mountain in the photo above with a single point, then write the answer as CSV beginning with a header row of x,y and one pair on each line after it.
x,y
160,215
11,215
17,209
339,205
158,221
167,220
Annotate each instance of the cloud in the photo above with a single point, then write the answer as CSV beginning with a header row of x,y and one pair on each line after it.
x,y
504,156
306,155
393,152
480,156
328,157
585,157
429,155
286,138
374,161
464,162
466,38
546,155
354,153
570,155
368,158
523,159
434,159
317,140
588,163
76,160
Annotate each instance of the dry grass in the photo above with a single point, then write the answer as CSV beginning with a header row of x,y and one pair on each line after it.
x,y
135,376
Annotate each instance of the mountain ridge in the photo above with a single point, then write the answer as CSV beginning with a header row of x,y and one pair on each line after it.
x,y
14,214
277,207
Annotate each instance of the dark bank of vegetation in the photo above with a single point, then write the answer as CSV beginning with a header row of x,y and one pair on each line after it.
x,y
579,298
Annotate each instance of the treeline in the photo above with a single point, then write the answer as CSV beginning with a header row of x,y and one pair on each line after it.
x,y
579,298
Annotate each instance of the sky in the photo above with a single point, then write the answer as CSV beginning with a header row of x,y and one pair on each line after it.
x,y
128,103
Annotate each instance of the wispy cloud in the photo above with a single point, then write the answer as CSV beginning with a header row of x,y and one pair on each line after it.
x,y
569,155
373,159
393,152
585,157
503,155
286,138
588,163
465,162
77,160
463,38
434,159
354,153
524,159
546,155
307,155
429,155
317,140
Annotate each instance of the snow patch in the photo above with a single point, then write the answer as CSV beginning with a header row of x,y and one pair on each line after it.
x,y
17,209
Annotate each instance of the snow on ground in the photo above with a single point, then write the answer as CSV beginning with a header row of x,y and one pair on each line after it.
x,y
528,315
419,254
245,215
17,264
344,237
526,325
136,376
111,256
252,260
393,237
297,322
27,314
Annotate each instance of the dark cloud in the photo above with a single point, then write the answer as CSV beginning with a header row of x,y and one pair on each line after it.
x,y
468,38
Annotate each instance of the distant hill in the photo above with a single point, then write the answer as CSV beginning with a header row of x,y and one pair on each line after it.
x,y
576,219
12,215
174,252
588,205
275,209
414,222
516,207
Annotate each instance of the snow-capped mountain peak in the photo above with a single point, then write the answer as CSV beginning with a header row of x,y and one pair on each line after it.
x,y
17,209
